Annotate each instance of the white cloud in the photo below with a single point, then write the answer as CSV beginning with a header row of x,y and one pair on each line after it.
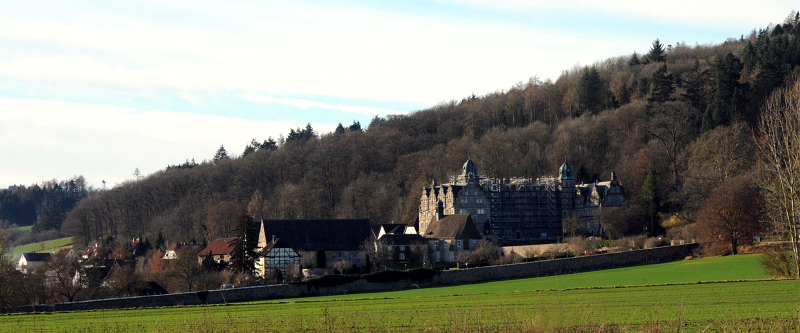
x,y
729,13
53,139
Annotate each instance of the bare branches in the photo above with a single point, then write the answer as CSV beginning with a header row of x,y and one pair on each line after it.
x,y
779,145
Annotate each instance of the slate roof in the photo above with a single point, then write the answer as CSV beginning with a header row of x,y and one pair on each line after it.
x,y
388,229
312,235
218,247
36,256
404,239
457,226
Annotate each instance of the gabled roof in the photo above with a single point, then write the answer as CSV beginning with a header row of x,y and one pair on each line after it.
x,y
312,235
31,256
457,226
91,251
64,252
218,247
276,244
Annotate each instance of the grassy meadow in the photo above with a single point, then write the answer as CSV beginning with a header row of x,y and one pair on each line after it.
x,y
46,246
671,297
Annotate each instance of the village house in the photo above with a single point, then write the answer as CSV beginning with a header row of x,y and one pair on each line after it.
x,y
401,242
29,261
276,256
337,239
91,252
68,254
450,235
220,251
172,251
405,248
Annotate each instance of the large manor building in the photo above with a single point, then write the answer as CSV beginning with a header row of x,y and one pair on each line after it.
x,y
521,210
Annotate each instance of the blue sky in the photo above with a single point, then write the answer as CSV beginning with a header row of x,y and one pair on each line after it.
x,y
101,88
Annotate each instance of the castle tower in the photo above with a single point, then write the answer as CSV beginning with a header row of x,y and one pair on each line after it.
x,y
567,189
469,172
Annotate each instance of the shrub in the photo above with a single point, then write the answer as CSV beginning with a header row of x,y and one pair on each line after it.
x,y
414,275
329,280
779,264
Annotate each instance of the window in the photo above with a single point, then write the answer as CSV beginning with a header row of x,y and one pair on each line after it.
x,y
480,211
389,247
402,256
458,243
435,246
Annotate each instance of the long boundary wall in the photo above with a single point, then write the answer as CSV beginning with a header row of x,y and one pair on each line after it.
x,y
461,276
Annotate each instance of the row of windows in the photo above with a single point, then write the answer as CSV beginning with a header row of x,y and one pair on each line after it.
x,y
445,245
466,211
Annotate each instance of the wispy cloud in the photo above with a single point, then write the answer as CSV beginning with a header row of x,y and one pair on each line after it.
x,y
306,104
54,139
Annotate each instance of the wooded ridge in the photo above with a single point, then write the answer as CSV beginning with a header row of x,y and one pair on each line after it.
x,y
674,124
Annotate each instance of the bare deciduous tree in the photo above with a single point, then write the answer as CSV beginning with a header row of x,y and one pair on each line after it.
x,y
779,145
731,214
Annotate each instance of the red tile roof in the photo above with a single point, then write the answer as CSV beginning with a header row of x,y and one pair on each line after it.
x,y
218,247
63,252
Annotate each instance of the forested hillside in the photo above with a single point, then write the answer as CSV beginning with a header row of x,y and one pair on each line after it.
x,y
674,123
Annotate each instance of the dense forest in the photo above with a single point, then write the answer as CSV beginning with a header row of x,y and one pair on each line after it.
x,y
674,124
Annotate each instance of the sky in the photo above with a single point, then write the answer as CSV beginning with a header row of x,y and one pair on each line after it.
x,y
103,88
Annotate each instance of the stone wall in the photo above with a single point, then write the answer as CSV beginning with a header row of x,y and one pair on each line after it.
x,y
513,271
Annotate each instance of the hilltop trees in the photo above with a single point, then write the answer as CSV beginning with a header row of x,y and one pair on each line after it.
x,y
220,155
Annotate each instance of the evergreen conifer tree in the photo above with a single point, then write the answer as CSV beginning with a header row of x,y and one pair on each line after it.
x,y
243,254
339,130
696,83
633,61
656,53
589,95
661,87
725,89
221,154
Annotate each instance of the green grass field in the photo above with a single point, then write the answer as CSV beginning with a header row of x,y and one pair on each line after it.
x,y
655,298
25,228
46,246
